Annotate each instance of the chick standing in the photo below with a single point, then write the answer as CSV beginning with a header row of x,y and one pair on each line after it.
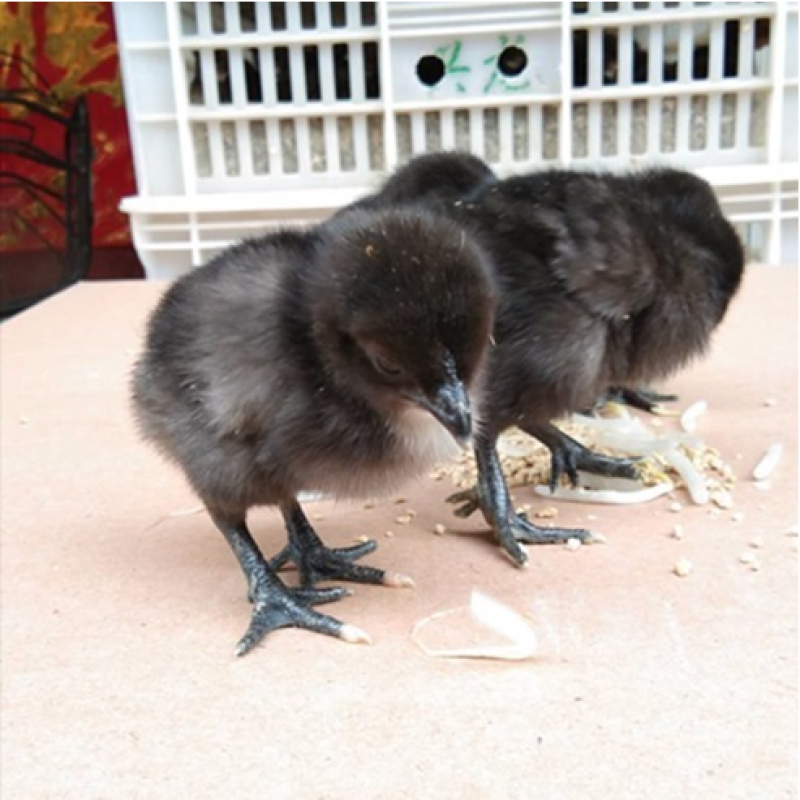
x,y
603,280
338,359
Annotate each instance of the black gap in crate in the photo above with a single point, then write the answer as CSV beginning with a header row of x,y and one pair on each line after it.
x,y
308,16
223,69
368,14
338,15
247,17
217,17
341,71
580,58
194,77
252,74
311,65
638,55
700,62
610,44
762,32
372,77
730,54
283,74
607,8
277,16
581,49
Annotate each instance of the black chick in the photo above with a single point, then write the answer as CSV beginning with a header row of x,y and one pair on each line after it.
x,y
603,281
338,359
434,180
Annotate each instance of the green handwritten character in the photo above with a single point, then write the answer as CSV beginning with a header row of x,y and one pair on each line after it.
x,y
451,56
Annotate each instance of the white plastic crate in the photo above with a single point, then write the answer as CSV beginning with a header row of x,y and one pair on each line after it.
x,y
247,116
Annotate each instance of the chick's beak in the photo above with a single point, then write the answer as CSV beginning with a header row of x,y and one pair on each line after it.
x,y
450,405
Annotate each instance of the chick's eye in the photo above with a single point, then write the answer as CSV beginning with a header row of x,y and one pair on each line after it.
x,y
386,366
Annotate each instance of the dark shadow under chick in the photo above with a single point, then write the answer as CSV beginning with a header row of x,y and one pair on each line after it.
x,y
339,359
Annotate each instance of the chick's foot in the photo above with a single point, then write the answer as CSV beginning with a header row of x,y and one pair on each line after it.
x,y
511,529
316,562
274,604
573,457
567,456
277,606
467,502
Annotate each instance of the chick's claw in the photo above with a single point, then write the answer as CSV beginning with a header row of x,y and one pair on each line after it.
x,y
316,562
518,530
568,461
643,398
322,563
469,500
346,553
277,606
528,533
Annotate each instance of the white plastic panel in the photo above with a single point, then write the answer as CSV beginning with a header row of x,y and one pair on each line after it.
x,y
228,100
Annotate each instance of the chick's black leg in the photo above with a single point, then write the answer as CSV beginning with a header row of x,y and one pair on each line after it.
x,y
316,562
509,527
568,456
274,604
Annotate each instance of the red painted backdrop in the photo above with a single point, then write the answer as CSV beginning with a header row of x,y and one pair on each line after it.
x,y
73,47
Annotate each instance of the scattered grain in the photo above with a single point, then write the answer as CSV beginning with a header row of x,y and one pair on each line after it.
x,y
683,567
548,512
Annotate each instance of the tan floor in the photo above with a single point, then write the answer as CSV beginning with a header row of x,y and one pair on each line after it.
x,y
119,615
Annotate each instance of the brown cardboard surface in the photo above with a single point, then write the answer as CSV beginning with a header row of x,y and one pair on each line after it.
x,y
121,605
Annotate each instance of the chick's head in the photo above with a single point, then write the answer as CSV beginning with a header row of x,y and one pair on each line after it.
x,y
404,307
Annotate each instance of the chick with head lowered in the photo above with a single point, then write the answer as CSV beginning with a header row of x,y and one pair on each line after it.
x,y
603,280
344,359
